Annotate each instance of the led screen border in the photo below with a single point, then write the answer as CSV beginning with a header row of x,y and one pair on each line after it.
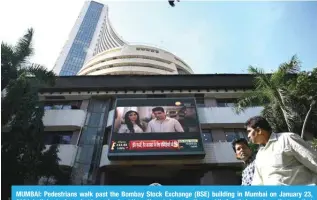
x,y
146,155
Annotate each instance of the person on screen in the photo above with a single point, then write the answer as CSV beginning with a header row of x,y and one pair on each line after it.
x,y
283,158
189,119
117,121
243,152
132,123
162,123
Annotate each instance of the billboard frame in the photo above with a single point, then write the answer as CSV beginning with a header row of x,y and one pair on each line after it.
x,y
156,155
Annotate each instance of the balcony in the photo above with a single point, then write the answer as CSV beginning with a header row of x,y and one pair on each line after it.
x,y
225,115
64,119
218,153
67,153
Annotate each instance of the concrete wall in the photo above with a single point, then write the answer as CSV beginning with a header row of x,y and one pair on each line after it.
x,y
225,115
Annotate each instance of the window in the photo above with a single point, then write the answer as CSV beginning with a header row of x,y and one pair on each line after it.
x,y
88,135
85,153
207,136
58,137
232,134
67,107
82,40
226,102
57,107
66,139
200,100
241,133
63,105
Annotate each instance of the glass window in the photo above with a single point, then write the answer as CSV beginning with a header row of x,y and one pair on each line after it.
x,y
66,139
82,41
220,104
47,107
57,107
231,135
98,106
75,106
242,133
79,171
67,107
85,153
88,135
62,105
226,102
200,100
207,136
95,119
52,137
97,151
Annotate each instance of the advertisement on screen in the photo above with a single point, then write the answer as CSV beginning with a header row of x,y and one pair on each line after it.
x,y
153,128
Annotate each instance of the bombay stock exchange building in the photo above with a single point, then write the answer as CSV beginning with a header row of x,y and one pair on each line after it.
x,y
94,48
84,113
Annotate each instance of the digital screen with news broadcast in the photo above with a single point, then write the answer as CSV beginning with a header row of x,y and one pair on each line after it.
x,y
153,128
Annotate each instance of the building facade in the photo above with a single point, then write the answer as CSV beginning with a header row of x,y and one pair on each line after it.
x,y
135,59
91,34
94,48
80,112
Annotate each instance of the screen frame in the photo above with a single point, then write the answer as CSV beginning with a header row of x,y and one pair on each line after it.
x,y
157,155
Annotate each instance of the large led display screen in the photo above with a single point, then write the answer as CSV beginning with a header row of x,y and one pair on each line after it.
x,y
155,128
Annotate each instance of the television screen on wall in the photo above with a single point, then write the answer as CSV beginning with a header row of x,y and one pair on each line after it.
x,y
155,128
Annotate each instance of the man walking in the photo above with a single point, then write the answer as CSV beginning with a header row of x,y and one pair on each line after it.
x,y
283,158
244,153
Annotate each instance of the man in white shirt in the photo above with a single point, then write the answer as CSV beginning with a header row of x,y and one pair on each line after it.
x,y
283,158
162,123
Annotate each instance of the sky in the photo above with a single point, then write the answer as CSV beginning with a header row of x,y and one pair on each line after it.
x,y
210,36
